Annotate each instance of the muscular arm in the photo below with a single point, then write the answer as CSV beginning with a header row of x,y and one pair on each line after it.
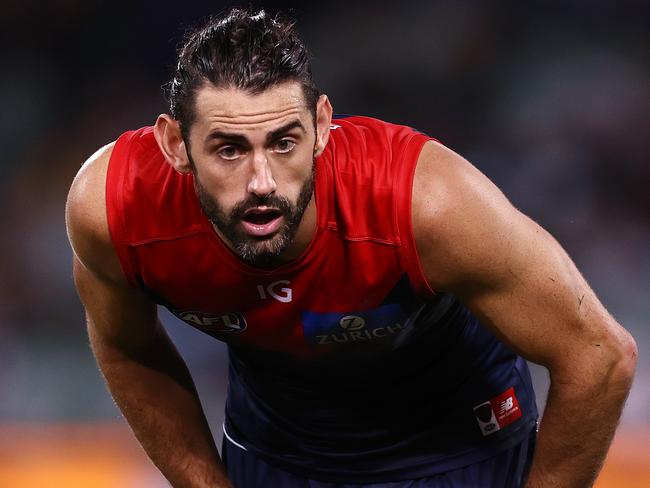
x,y
518,280
145,374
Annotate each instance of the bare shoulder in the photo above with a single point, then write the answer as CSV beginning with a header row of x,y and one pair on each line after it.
x,y
86,220
458,214
444,171
509,271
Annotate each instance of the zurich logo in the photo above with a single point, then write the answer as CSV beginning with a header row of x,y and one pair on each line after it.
x,y
380,323
352,322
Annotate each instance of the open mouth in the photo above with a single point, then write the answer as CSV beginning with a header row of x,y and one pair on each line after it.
x,y
262,221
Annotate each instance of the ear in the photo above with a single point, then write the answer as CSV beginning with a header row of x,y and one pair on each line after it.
x,y
167,132
323,122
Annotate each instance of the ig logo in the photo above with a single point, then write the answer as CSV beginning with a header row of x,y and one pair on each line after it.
x,y
276,290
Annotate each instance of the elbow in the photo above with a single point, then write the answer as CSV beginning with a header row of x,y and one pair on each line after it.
x,y
618,361
625,357
606,362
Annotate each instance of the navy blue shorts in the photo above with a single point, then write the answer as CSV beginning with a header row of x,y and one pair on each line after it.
x,y
507,469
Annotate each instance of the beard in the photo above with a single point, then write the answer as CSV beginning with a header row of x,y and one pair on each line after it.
x,y
258,251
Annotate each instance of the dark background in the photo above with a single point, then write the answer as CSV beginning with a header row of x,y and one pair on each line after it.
x,y
550,99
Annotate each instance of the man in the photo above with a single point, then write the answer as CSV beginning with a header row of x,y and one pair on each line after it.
x,y
347,264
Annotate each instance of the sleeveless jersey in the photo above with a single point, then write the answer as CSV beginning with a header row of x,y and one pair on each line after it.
x,y
344,365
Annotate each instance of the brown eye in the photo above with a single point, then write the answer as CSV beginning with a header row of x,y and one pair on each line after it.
x,y
284,146
229,153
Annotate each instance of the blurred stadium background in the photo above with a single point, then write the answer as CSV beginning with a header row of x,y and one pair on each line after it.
x,y
550,99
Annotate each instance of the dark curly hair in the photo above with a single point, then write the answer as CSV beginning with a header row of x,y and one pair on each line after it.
x,y
241,49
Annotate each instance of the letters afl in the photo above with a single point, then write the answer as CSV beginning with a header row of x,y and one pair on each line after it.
x,y
232,322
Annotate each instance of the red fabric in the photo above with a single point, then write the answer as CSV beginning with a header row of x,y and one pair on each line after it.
x,y
362,246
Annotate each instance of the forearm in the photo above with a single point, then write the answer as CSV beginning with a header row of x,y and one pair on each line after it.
x,y
577,428
154,390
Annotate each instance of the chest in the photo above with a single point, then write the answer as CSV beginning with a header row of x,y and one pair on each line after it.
x,y
344,298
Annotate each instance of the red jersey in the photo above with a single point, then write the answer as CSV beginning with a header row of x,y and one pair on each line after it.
x,y
362,246
344,353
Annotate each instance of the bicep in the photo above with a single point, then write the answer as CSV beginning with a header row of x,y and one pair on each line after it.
x,y
509,271
534,298
117,314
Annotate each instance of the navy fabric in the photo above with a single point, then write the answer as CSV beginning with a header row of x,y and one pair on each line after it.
x,y
506,470
406,414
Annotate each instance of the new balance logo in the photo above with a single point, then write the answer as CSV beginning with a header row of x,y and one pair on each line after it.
x,y
506,405
508,410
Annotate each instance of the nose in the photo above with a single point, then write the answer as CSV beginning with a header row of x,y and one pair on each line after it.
x,y
261,183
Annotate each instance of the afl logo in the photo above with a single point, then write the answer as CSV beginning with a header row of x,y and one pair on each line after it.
x,y
352,322
232,322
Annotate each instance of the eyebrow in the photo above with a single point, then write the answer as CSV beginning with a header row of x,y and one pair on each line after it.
x,y
275,134
271,136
